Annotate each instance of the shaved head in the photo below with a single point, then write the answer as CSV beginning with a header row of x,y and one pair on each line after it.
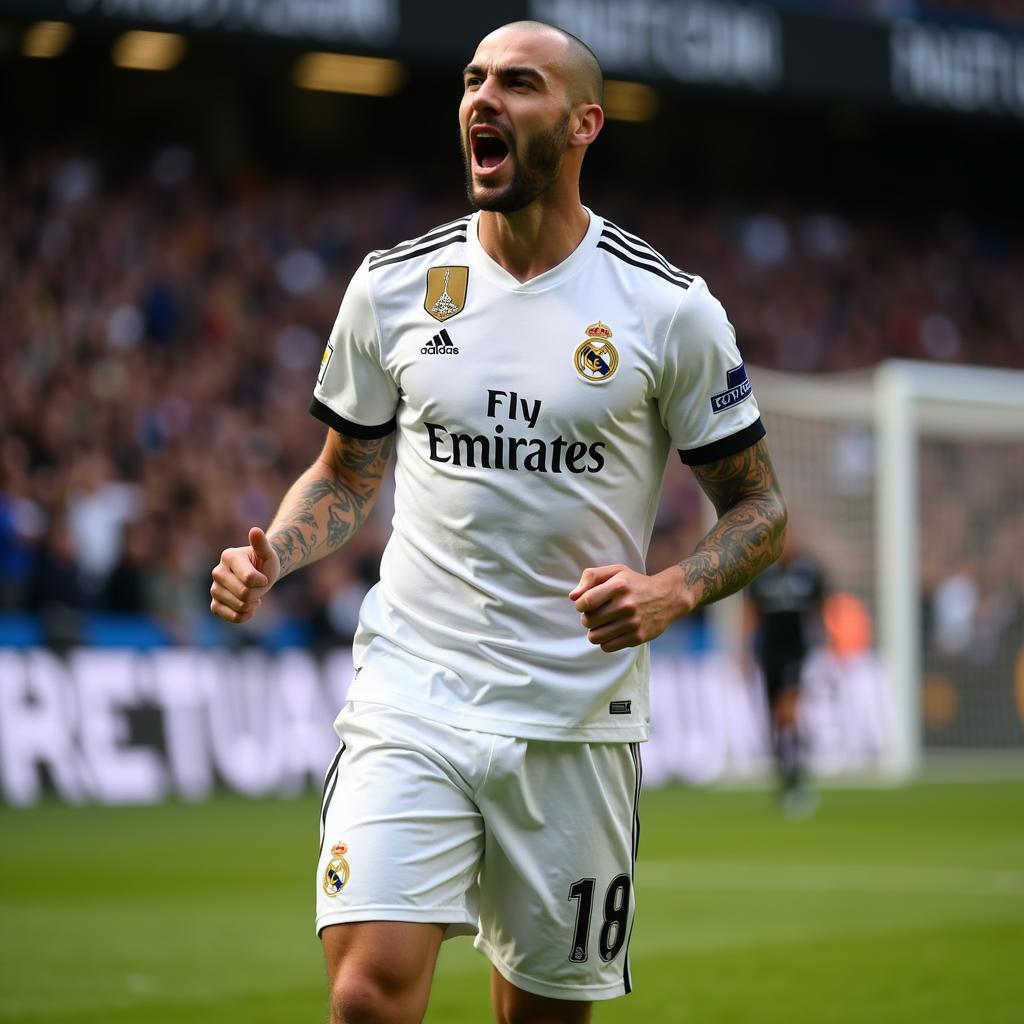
x,y
583,76
530,108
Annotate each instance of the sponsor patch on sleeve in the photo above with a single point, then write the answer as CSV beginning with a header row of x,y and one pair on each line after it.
x,y
738,390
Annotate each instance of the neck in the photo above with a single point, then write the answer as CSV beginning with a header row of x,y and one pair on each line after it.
x,y
531,241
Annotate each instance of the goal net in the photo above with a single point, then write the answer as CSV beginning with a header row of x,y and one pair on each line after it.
x,y
907,482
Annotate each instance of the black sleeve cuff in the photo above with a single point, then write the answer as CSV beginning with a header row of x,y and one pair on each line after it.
x,y
327,415
725,446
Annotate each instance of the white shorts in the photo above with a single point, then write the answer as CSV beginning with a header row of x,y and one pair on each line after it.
x,y
527,844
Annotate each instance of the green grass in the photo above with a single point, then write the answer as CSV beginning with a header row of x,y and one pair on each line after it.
x,y
891,906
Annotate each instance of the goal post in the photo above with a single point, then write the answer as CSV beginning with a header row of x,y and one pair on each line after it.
x,y
881,471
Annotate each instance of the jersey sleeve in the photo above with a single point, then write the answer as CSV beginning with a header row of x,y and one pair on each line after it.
x,y
706,401
354,393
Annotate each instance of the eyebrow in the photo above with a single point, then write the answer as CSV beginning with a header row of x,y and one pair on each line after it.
x,y
514,71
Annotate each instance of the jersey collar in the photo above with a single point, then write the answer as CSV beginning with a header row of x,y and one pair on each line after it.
x,y
558,273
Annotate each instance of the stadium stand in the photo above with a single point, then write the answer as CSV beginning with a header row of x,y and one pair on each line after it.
x,y
162,333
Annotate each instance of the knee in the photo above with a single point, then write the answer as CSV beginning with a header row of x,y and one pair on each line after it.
x,y
361,997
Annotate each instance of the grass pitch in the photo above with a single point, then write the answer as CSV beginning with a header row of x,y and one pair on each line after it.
x,y
901,906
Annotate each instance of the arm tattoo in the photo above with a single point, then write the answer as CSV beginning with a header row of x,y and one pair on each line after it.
x,y
751,524
330,501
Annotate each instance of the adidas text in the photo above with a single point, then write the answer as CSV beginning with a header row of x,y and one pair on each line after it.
x,y
440,345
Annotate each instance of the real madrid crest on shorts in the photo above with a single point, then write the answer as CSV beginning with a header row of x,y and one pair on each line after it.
x,y
337,871
446,291
596,359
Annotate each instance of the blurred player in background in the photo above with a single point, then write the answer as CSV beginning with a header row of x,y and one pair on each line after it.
x,y
785,605
537,365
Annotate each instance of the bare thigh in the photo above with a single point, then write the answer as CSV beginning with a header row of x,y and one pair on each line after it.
x,y
512,1005
379,972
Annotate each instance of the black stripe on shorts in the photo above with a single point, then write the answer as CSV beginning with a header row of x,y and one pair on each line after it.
x,y
634,752
331,781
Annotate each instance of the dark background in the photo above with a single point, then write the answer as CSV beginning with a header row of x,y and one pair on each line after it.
x,y
831,130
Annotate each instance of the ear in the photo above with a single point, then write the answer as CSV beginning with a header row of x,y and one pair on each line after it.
x,y
589,120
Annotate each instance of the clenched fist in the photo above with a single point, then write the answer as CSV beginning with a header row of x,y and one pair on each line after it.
x,y
242,576
622,608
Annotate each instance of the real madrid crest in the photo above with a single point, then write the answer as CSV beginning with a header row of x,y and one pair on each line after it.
x,y
596,358
446,291
337,871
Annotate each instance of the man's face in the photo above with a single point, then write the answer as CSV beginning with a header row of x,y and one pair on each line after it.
x,y
514,120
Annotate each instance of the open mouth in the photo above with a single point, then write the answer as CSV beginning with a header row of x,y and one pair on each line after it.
x,y
489,149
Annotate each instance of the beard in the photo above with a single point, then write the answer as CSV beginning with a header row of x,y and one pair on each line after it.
x,y
536,169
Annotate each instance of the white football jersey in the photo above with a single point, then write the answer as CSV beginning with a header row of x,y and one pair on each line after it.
x,y
534,420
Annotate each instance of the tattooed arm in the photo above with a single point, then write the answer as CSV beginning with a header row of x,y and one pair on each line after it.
x,y
622,608
751,525
321,510
331,500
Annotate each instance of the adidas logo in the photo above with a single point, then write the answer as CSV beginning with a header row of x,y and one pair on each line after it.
x,y
440,345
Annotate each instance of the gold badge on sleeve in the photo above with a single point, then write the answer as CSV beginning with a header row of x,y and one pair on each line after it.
x,y
337,871
446,291
328,352
596,359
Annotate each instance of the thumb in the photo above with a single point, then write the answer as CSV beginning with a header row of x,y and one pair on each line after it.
x,y
260,546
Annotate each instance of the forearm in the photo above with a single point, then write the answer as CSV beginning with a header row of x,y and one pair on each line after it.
x,y
326,505
750,530
622,608
744,542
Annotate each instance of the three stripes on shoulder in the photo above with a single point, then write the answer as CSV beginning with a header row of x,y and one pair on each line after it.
x,y
618,242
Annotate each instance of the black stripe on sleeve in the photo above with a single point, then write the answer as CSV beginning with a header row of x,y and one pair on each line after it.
x,y
361,432
724,446
437,232
657,271
458,237
644,251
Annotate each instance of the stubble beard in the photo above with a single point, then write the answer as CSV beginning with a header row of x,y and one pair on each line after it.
x,y
535,171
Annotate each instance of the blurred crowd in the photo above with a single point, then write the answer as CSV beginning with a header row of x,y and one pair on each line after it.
x,y
162,335
1006,12
1009,12
973,571
810,291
